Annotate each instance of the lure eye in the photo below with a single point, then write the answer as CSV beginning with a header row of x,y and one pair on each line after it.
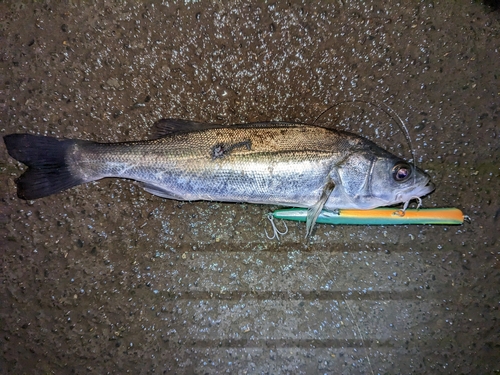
x,y
401,172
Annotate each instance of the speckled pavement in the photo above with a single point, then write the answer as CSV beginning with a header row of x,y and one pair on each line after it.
x,y
106,278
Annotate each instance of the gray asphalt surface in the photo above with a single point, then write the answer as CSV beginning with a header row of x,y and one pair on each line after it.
x,y
106,278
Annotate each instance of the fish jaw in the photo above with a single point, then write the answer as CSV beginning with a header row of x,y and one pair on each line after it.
x,y
416,192
340,200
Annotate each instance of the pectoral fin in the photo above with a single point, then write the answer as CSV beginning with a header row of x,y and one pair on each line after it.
x,y
314,211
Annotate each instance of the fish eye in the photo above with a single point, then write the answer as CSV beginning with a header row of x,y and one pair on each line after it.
x,y
401,172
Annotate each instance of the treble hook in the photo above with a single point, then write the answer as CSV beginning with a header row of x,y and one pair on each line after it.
x,y
276,232
401,212
418,199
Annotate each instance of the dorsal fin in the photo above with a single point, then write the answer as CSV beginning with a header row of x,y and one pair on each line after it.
x,y
169,126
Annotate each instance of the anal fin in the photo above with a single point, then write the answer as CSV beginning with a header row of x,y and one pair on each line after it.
x,y
155,190
314,211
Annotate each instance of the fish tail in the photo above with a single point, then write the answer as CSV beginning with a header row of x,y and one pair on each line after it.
x,y
48,171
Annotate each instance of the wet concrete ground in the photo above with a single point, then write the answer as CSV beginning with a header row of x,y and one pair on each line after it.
x,y
106,278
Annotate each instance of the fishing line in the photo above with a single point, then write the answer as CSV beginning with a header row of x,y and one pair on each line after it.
x,y
363,341
391,114
403,128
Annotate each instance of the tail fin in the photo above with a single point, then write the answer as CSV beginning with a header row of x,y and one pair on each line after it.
x,y
48,172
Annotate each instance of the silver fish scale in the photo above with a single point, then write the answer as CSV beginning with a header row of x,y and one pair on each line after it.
x,y
273,164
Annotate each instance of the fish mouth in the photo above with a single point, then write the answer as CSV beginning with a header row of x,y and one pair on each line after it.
x,y
425,189
430,187
420,190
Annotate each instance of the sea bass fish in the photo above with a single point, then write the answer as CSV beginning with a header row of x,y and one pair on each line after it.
x,y
284,164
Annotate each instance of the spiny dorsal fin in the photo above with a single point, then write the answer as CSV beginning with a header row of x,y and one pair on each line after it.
x,y
169,126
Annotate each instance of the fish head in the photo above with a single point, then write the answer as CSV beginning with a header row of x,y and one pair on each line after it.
x,y
376,179
394,181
